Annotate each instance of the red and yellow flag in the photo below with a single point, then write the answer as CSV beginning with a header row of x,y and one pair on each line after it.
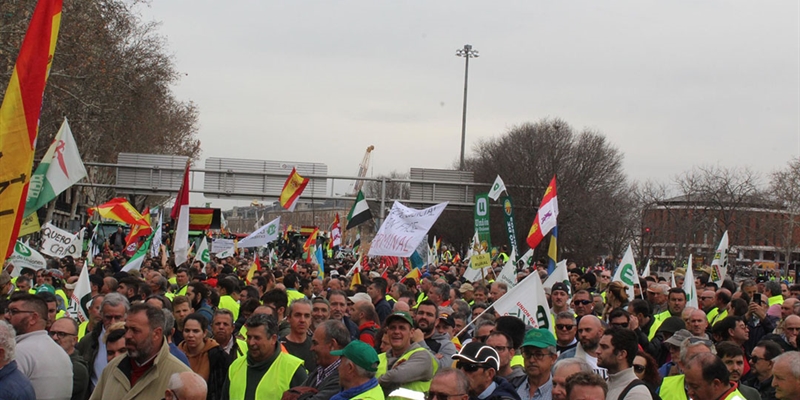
x,y
309,247
120,210
292,189
138,231
19,117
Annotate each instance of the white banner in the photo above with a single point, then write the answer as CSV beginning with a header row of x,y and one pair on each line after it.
x,y
719,265
202,252
59,243
509,273
528,302
81,296
626,273
403,229
24,256
221,245
689,287
497,188
263,235
559,274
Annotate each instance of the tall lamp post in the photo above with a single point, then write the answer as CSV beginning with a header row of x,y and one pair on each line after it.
x,y
467,52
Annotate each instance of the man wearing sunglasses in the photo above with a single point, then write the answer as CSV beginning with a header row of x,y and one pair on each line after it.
x,y
582,303
762,363
449,384
480,363
566,328
590,330
616,352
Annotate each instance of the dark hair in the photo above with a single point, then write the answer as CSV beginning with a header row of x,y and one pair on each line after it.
x,y
290,281
336,330
380,284
712,367
278,298
200,318
155,317
739,306
722,327
651,376
729,349
623,339
619,312
47,297
165,303
229,283
115,335
676,290
429,303
639,306
771,349
249,306
269,323
587,379
513,327
589,278
199,288
723,296
38,304
252,292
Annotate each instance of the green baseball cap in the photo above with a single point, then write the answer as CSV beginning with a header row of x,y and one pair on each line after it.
x,y
45,288
360,354
540,338
400,315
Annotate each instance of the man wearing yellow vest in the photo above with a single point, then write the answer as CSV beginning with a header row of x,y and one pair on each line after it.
x,y
721,300
674,387
406,364
266,372
707,377
357,369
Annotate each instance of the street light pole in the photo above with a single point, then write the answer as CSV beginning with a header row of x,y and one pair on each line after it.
x,y
467,52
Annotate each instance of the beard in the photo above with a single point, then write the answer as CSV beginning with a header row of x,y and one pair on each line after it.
x,y
142,352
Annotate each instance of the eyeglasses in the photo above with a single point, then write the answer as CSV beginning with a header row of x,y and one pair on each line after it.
x,y
502,348
583,302
12,312
564,327
441,396
706,297
481,338
534,354
469,367
620,324
638,368
605,276
790,328
61,335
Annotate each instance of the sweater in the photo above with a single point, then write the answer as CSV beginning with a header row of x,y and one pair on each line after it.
x,y
46,364
619,381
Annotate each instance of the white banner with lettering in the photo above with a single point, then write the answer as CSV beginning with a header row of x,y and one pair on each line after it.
x,y
59,243
403,230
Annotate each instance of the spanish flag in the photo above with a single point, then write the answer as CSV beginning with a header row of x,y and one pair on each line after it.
x,y
255,266
414,274
120,210
309,247
19,117
292,189
356,279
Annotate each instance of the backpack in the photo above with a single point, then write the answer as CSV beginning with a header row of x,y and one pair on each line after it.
x,y
635,383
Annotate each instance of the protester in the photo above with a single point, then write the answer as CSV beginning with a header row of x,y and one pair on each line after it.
x,y
480,363
449,383
616,352
186,386
406,364
205,356
328,337
92,348
65,332
787,376
14,385
562,370
586,386
359,363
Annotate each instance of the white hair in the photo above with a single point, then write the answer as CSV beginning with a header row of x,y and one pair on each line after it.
x,y
176,382
792,359
8,340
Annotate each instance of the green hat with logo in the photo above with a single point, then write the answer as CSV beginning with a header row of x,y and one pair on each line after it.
x,y
400,315
45,288
540,338
360,354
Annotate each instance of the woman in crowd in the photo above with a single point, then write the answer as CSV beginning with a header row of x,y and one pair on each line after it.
x,y
206,358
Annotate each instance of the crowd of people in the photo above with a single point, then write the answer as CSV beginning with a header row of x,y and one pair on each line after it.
x,y
289,330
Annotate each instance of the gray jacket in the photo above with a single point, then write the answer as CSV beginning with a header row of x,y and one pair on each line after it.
x,y
327,388
446,348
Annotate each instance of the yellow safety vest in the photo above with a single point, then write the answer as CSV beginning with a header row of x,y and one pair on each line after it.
x,y
227,302
712,314
63,295
735,395
775,300
173,280
419,386
82,329
672,388
659,319
294,295
272,384
170,296
375,393
182,291
719,317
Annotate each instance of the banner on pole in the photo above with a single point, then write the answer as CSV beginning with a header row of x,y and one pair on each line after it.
x,y
221,245
508,212
482,220
527,301
265,234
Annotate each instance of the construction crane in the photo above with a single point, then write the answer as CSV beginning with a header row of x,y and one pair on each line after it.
x,y
362,171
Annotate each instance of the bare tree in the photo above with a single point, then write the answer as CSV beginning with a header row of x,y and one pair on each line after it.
x,y
784,189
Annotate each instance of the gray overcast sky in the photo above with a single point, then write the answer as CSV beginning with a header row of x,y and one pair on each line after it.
x,y
671,83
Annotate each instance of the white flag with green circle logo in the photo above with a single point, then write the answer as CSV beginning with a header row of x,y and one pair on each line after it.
x,y
498,187
626,272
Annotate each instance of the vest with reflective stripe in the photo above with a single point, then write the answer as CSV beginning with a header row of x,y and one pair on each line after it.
x,y
375,393
735,395
419,386
272,384
712,314
672,388
659,319
775,300
82,329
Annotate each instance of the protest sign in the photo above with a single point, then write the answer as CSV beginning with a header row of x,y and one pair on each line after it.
x,y
221,245
59,243
403,229
26,257
262,236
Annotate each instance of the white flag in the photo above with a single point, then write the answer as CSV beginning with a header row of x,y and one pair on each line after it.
x,y
497,188
646,271
227,253
626,272
155,246
94,246
719,265
59,243
528,302
265,234
81,298
26,257
509,273
559,274
527,256
474,275
202,252
688,286
673,284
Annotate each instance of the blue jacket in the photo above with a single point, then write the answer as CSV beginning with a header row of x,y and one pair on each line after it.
x,y
503,391
14,385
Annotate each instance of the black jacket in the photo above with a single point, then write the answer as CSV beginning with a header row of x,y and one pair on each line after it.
x,y
503,391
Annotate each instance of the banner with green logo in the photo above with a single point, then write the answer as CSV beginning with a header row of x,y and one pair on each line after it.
x,y
482,220
26,257
508,212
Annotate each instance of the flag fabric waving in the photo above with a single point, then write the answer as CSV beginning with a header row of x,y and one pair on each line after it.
x,y
626,272
308,246
552,251
203,254
266,234
180,212
292,189
19,117
498,187
138,231
120,210
60,168
559,274
135,263
545,219
528,302
156,244
81,298
646,270
359,213
689,287
336,232
719,265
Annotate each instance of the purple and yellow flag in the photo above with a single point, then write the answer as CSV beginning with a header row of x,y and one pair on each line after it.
x,y
19,117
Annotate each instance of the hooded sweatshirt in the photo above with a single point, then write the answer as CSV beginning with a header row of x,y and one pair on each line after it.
x,y
200,363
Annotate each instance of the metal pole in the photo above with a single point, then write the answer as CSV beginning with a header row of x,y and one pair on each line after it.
x,y
464,111
383,203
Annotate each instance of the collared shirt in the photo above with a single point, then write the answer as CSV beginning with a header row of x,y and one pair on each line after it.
x,y
326,372
488,392
101,360
544,392
227,348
